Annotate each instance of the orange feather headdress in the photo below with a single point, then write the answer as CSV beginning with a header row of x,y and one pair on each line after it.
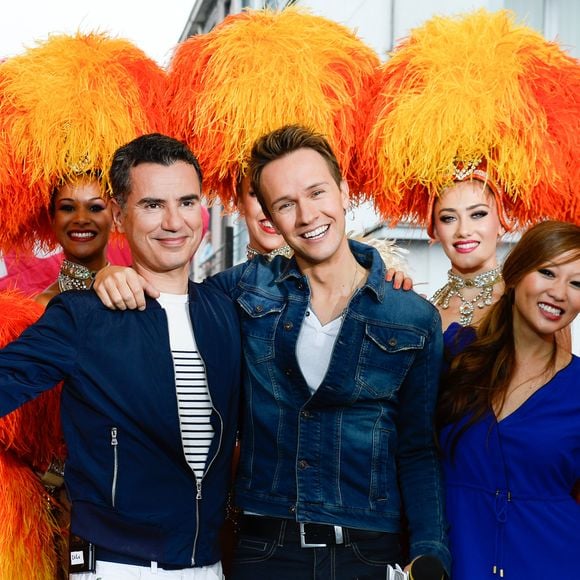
x,y
65,106
30,438
260,70
475,87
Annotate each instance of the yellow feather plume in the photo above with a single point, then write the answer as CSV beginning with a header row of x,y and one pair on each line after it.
x,y
257,71
65,106
474,86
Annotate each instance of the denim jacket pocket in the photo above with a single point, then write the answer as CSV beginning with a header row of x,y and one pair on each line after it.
x,y
384,493
386,355
260,317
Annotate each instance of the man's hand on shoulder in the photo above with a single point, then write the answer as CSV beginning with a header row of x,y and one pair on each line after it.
x,y
399,279
121,288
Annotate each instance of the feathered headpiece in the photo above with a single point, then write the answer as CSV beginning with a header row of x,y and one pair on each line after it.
x,y
65,107
258,71
468,89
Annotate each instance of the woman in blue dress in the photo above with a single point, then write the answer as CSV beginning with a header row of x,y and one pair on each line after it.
x,y
510,416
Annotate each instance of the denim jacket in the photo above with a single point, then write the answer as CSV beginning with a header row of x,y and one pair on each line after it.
x,y
360,451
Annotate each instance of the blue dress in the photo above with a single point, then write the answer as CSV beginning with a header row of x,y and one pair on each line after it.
x,y
508,488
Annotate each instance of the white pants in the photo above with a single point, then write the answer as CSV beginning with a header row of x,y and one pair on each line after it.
x,y
114,571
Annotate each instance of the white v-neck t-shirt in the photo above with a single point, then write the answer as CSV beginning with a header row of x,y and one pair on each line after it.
x,y
314,348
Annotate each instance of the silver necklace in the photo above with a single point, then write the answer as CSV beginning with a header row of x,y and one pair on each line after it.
x,y
74,277
455,284
338,305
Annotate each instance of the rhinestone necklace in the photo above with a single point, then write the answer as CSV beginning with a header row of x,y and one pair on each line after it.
x,y
74,277
486,281
285,251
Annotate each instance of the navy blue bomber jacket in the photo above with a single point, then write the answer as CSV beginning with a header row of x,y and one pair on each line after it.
x,y
131,488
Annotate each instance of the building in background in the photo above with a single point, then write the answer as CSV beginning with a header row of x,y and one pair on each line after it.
x,y
381,24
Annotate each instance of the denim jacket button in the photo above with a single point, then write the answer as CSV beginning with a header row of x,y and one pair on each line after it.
x,y
303,464
392,342
306,414
259,308
288,372
288,326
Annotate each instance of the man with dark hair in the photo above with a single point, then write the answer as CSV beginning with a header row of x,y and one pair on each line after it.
x,y
152,148
150,399
340,385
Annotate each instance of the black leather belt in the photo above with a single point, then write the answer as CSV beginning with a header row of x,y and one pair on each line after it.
x,y
307,534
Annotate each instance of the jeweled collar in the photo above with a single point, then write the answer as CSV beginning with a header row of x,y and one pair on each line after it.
x,y
285,251
455,284
74,277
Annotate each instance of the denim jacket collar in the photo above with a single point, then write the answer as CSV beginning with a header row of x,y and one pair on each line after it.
x,y
364,255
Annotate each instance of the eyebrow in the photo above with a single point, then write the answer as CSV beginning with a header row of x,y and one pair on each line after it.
x,y
72,199
317,184
552,264
475,206
307,188
147,200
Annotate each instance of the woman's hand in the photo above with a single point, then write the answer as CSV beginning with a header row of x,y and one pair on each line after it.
x,y
399,279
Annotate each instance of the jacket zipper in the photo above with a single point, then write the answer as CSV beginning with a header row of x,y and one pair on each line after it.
x,y
198,482
114,444
197,498
198,485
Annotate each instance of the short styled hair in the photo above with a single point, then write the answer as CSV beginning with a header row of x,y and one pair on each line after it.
x,y
152,148
286,140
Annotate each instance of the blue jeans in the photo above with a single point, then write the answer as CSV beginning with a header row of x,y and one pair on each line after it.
x,y
281,557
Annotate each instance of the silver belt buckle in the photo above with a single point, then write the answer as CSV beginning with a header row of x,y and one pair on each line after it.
x,y
303,543
337,535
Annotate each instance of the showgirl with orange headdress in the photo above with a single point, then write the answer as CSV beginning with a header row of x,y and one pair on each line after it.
x,y
65,106
474,130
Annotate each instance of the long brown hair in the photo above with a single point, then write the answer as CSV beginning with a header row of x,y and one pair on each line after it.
x,y
478,377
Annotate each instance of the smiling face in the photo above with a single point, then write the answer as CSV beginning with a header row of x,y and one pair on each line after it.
x,y
467,225
306,204
162,221
263,235
82,223
548,298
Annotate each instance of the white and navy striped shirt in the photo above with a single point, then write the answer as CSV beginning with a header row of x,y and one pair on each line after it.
x,y
193,399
